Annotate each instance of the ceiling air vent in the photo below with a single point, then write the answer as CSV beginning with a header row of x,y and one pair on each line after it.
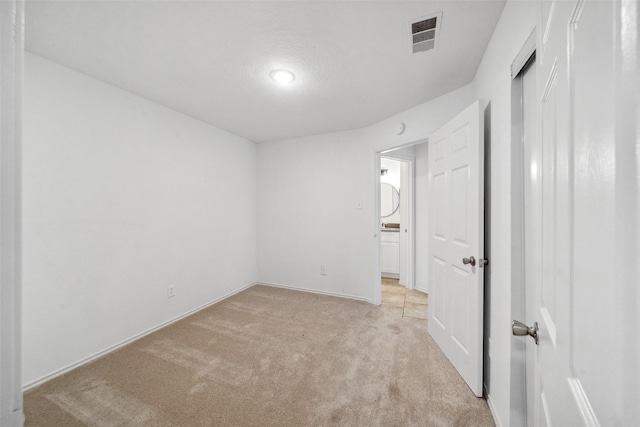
x,y
425,32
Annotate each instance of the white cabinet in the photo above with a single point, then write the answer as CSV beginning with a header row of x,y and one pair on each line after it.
x,y
390,254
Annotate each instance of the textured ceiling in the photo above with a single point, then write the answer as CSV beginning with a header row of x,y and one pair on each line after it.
x,y
212,59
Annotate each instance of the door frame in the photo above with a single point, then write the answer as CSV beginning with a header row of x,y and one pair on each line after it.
x,y
410,191
377,155
11,80
518,409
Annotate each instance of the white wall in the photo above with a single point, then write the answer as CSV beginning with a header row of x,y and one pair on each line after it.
x,y
123,197
493,84
308,190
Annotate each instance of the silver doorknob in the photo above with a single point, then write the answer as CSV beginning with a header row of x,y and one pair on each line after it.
x,y
519,329
471,260
483,262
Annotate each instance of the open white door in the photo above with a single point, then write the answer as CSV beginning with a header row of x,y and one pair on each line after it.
x,y
456,187
581,218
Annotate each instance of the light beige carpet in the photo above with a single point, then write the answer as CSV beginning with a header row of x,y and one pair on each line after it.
x,y
268,357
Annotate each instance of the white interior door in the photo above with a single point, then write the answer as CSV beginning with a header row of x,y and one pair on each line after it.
x,y
581,218
551,386
456,179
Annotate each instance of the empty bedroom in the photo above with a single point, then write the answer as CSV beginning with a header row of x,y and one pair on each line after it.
x,y
314,213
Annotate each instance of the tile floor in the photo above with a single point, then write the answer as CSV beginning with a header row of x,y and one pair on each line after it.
x,y
395,296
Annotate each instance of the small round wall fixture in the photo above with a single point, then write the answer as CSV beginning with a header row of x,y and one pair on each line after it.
x,y
400,128
283,77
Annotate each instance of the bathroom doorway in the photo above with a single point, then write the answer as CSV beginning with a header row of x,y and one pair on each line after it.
x,y
393,219
403,279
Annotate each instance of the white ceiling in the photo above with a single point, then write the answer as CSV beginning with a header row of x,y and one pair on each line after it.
x,y
211,59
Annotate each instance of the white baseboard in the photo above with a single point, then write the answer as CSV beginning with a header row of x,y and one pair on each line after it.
x,y
492,409
315,291
422,290
136,337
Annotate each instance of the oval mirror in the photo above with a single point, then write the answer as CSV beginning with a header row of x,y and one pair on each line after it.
x,y
389,199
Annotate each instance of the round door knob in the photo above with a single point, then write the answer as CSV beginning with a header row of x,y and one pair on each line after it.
x,y
471,260
519,329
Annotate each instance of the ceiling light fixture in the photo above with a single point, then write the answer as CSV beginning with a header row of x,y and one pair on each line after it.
x,y
282,76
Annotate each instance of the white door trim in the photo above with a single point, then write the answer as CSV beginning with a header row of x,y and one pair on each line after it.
x,y
377,281
11,83
408,229
517,359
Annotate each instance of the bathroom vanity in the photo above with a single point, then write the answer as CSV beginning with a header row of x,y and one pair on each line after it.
x,y
390,252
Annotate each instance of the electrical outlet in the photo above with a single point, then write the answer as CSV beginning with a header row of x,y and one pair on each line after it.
x,y
323,270
171,291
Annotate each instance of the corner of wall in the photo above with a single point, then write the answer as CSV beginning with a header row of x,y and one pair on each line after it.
x,y
122,199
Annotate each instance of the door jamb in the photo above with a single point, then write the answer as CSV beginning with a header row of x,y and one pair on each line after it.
x,y
518,346
11,80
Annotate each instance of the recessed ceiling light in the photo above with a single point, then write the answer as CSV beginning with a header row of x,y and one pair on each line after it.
x,y
283,76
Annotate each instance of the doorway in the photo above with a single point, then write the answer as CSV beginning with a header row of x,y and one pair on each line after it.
x,y
394,227
454,239
398,234
404,232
